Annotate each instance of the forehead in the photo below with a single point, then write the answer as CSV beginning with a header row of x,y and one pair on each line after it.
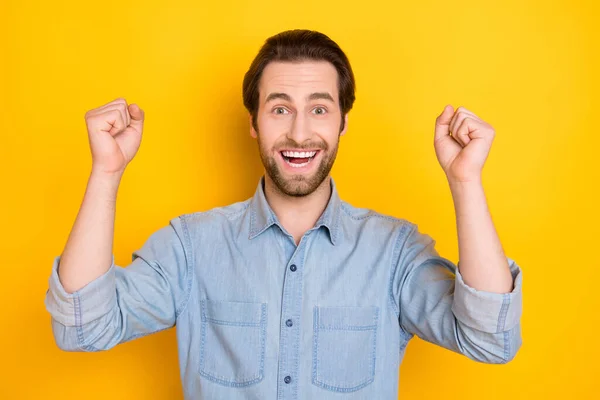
x,y
299,78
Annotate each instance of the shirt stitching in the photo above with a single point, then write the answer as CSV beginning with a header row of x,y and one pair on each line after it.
x,y
506,346
79,325
503,312
221,211
189,260
371,213
398,245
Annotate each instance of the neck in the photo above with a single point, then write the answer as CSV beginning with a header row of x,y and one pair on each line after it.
x,y
298,214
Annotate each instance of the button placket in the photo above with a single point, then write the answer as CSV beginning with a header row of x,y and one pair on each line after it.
x,y
291,306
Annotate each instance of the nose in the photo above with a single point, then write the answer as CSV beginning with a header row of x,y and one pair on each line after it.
x,y
300,130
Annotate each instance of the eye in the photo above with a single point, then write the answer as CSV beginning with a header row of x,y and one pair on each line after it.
x,y
320,110
280,110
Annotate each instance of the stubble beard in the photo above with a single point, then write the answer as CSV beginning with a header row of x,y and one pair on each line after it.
x,y
298,185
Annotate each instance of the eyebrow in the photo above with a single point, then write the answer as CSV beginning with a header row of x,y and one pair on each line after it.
x,y
312,96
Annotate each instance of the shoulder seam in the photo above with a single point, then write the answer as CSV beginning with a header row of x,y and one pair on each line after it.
x,y
372,213
217,210
189,261
399,243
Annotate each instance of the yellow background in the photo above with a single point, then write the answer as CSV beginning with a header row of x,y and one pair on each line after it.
x,y
529,68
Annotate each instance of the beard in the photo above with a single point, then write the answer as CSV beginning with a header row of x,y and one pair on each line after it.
x,y
301,184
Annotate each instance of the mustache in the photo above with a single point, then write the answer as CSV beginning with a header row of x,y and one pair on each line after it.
x,y
307,146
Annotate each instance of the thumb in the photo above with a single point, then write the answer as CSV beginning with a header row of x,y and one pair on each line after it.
x,y
136,112
442,122
137,116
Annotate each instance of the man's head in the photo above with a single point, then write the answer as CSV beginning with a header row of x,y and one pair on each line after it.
x,y
298,91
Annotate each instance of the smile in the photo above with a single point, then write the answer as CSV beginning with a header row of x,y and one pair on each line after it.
x,y
298,159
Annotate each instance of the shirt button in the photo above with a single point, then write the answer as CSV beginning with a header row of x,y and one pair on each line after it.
x,y
289,322
287,379
293,267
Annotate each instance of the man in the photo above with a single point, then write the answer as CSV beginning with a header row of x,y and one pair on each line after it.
x,y
293,293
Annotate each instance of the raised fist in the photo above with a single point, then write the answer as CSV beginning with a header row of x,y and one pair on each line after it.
x,y
115,134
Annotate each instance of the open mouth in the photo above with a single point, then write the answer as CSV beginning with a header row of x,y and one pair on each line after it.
x,y
298,159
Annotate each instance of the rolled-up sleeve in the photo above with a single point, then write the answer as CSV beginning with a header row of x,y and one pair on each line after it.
x,y
124,303
435,303
85,305
485,311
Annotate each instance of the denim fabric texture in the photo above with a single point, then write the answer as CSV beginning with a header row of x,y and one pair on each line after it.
x,y
259,317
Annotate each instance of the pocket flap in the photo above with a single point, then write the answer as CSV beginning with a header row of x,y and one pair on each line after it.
x,y
347,317
233,313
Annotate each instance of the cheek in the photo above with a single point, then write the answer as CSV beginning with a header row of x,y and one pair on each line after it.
x,y
272,130
268,133
331,123
272,124
327,127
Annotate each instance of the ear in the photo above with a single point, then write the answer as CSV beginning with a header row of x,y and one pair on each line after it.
x,y
252,130
342,133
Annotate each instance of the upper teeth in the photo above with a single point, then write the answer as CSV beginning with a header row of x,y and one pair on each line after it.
x,y
296,154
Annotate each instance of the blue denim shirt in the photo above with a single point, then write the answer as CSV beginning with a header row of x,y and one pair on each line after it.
x,y
259,317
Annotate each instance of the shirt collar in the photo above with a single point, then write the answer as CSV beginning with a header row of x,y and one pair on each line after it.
x,y
262,216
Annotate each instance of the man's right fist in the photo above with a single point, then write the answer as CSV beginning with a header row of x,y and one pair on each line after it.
x,y
115,134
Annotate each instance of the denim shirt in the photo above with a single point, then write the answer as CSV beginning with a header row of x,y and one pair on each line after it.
x,y
259,317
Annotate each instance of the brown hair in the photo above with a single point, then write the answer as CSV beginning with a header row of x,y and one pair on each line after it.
x,y
299,45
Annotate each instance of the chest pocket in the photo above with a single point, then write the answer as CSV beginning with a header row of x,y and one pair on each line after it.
x,y
344,347
232,347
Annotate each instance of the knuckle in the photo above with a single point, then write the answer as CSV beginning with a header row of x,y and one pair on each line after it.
x,y
111,114
91,116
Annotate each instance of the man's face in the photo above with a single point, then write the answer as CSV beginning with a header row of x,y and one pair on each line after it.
x,y
298,121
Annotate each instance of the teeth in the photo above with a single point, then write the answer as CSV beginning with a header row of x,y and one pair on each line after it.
x,y
297,154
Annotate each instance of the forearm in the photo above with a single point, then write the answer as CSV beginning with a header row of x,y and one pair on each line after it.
x,y
88,251
482,262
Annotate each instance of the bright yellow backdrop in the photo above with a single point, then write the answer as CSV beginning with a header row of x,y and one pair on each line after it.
x,y
530,68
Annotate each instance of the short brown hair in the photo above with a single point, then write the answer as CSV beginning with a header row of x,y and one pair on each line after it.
x,y
299,45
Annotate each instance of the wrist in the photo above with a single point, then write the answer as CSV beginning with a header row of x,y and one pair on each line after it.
x,y
103,182
465,184
98,173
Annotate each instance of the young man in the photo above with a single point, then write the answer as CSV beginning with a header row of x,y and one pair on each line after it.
x,y
293,293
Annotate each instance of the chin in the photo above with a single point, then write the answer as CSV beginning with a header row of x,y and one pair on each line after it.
x,y
297,185
297,188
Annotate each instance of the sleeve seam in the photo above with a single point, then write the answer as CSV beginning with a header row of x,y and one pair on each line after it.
x,y
503,312
79,325
189,261
506,346
396,255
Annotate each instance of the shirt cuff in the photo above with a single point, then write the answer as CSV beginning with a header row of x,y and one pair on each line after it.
x,y
87,304
487,311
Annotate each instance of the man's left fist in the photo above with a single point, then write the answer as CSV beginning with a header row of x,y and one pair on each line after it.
x,y
462,143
